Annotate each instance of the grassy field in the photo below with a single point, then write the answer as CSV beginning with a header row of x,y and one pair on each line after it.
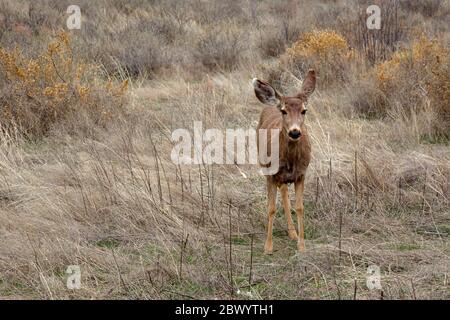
x,y
86,176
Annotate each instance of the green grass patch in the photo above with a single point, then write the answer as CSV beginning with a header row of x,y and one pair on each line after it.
x,y
431,230
279,233
311,232
35,145
432,139
151,252
240,240
189,288
190,259
405,246
444,229
309,207
398,210
108,243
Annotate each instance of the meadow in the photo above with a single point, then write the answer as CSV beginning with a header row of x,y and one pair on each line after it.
x,y
86,176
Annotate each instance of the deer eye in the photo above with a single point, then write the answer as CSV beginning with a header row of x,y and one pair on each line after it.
x,y
304,111
283,111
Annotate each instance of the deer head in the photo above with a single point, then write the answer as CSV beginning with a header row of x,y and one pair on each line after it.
x,y
293,108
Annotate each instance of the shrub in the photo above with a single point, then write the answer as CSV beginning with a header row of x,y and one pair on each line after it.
x,y
283,31
419,78
149,56
367,100
273,43
53,87
427,8
325,51
275,39
222,48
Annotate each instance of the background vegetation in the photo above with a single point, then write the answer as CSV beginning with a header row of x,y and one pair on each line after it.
x,y
86,177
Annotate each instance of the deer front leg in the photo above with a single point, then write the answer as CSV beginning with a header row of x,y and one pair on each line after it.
x,y
299,186
287,211
271,201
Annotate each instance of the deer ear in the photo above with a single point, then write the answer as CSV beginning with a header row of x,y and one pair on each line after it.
x,y
265,92
309,84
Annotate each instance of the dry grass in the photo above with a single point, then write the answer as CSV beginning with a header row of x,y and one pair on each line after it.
x,y
141,227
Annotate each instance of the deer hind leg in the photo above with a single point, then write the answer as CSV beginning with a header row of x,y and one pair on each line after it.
x,y
299,187
287,211
271,202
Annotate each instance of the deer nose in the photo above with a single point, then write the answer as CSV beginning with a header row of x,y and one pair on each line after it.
x,y
294,134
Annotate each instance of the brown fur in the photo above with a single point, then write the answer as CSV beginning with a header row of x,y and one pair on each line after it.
x,y
294,155
294,152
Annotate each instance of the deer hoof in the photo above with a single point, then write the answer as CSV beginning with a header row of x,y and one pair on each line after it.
x,y
268,248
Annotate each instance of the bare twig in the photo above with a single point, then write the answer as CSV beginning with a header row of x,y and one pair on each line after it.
x,y
356,180
122,281
182,250
231,253
251,260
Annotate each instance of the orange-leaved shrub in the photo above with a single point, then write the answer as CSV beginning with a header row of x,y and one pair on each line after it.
x,y
325,51
54,87
418,80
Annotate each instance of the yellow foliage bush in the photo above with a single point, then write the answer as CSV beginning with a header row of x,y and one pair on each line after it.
x,y
326,51
54,87
320,44
418,78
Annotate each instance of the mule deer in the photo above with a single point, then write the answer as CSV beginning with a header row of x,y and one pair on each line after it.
x,y
288,115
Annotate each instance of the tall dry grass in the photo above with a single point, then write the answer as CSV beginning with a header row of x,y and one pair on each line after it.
x,y
139,226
